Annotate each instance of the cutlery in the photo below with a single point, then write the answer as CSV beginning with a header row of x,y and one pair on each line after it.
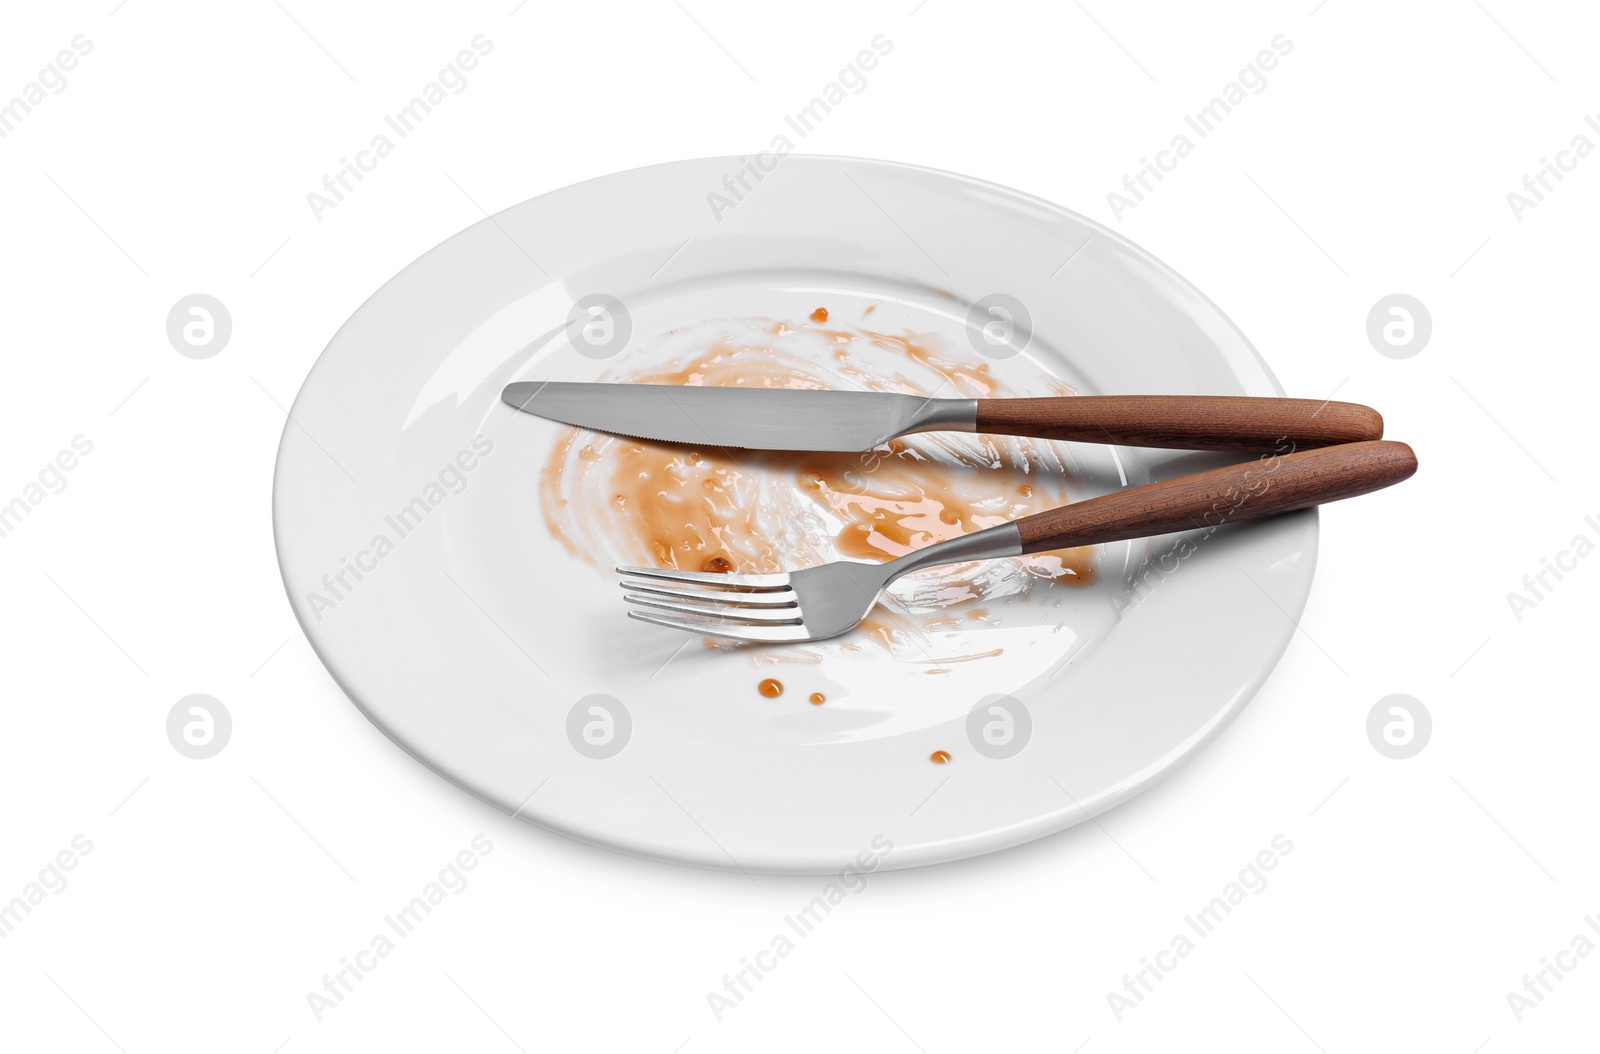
x,y
809,419
825,601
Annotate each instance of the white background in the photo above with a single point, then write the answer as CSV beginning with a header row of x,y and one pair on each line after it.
x,y
219,892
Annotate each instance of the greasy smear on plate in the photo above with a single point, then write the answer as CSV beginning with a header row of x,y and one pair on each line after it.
x,y
616,500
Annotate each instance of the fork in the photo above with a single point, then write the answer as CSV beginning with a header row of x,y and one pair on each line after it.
x,y
833,598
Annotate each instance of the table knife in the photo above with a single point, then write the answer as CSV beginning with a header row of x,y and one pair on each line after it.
x,y
811,419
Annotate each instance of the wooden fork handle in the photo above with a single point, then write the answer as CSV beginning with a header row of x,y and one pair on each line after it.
x,y
1265,487
1215,422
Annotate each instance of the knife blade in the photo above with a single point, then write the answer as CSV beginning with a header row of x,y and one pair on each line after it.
x,y
815,419
757,418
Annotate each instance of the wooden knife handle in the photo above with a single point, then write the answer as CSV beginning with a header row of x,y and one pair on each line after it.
x,y
1270,485
1189,422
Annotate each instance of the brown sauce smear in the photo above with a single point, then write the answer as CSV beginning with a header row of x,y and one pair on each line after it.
x,y
904,502
722,511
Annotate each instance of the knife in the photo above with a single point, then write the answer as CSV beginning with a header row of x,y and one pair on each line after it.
x,y
809,419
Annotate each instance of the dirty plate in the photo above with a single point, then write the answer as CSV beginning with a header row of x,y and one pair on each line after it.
x,y
449,558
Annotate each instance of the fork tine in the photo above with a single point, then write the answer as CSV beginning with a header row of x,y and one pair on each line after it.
x,y
789,615
711,578
712,628
725,597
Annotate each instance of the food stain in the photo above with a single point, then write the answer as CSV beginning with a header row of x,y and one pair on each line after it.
x,y
940,757
716,510
817,698
771,688
819,315
906,502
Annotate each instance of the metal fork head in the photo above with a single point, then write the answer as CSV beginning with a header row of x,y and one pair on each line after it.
x,y
813,604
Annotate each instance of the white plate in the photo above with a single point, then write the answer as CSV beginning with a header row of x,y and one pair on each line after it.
x,y
487,649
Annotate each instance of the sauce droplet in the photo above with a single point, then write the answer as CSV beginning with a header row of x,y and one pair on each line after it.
x,y
771,688
719,565
817,698
819,315
940,757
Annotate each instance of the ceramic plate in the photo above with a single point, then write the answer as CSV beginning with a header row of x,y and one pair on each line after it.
x,y
450,559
